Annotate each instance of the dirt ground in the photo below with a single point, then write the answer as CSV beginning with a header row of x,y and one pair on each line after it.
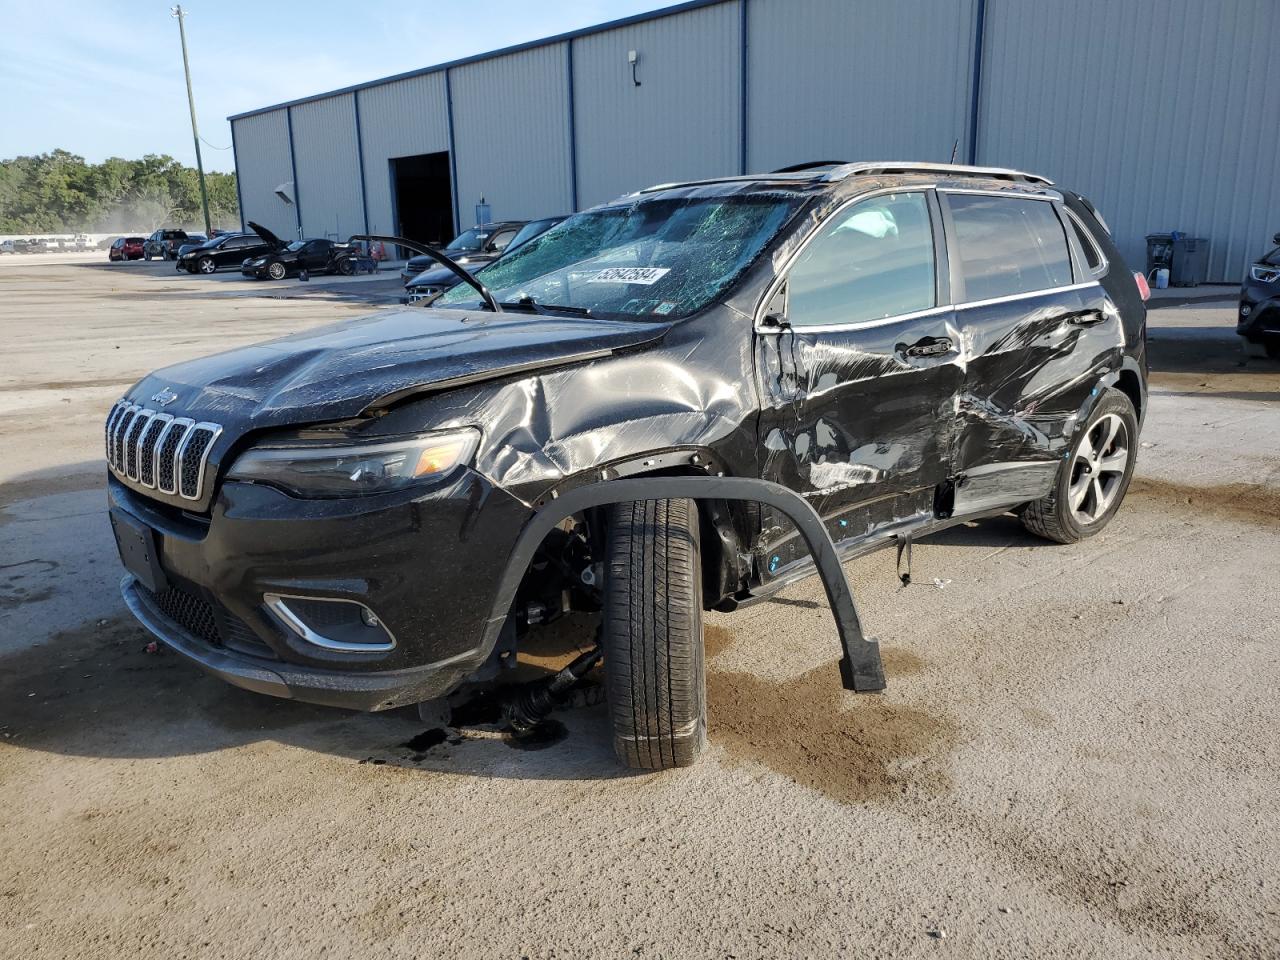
x,y
1076,756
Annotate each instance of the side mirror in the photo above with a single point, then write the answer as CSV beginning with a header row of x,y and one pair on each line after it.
x,y
1276,239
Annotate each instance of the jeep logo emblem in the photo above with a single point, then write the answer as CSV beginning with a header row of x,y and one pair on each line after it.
x,y
164,397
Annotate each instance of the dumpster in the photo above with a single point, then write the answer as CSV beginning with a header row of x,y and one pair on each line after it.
x,y
1186,258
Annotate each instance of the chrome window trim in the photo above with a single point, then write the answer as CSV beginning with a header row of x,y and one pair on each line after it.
x,y
865,324
165,418
180,457
275,602
145,418
178,423
1009,298
1103,263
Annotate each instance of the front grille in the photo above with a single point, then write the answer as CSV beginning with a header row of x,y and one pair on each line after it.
x,y
210,622
159,451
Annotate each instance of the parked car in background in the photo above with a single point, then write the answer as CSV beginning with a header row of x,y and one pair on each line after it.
x,y
47,245
227,250
1259,319
6,246
431,283
480,244
164,244
126,248
314,256
372,514
193,240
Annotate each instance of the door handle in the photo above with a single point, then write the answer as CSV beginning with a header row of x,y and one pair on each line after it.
x,y
927,347
1085,318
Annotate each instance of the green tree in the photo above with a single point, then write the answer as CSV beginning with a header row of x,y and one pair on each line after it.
x,y
59,192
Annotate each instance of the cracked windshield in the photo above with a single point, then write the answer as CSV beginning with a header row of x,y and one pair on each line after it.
x,y
655,258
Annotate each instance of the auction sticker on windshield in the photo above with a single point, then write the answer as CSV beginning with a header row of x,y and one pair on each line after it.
x,y
641,275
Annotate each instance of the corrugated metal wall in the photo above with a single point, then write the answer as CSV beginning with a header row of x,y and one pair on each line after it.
x,y
681,123
328,165
873,80
400,119
511,134
1163,112
262,164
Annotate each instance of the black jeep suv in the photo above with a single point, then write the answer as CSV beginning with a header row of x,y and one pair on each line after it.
x,y
1259,320
681,400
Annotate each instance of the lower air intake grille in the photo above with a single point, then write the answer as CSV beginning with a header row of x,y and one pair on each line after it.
x,y
210,622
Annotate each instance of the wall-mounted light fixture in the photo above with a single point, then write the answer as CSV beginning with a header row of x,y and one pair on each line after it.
x,y
633,58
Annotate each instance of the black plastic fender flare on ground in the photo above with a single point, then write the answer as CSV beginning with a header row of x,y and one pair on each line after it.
x,y
860,667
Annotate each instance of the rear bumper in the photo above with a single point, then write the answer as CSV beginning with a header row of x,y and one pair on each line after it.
x,y
353,691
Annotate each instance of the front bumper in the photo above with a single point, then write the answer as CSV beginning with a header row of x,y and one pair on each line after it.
x,y
426,562
1258,315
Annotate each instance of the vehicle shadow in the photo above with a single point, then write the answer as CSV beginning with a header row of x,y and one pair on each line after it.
x,y
100,689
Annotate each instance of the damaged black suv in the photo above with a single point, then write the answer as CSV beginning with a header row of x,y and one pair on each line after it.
x,y
681,400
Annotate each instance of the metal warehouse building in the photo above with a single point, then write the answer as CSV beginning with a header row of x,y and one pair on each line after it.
x,y
1163,112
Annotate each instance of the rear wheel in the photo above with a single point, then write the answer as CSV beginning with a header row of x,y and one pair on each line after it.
x,y
653,634
276,271
1093,480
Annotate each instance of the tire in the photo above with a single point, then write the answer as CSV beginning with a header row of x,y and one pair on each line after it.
x,y
206,265
346,267
276,271
146,254
653,662
1054,517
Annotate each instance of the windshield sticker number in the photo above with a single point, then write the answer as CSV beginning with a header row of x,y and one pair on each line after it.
x,y
641,275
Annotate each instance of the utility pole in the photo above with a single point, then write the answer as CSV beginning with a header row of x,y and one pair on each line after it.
x,y
178,13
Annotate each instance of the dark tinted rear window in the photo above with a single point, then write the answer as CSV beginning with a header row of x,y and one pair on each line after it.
x,y
1091,255
1008,245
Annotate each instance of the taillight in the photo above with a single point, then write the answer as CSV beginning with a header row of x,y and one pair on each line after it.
x,y
1144,290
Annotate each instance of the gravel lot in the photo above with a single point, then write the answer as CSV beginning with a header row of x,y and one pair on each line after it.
x,y
1076,756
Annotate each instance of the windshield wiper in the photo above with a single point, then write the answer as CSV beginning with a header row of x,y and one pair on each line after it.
x,y
528,303
461,273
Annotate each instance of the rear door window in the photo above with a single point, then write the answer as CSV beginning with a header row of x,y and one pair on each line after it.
x,y
1005,246
871,261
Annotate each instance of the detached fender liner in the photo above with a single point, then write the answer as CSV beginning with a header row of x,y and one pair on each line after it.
x,y
860,667
351,690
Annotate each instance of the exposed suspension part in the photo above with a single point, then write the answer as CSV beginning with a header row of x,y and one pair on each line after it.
x,y
531,704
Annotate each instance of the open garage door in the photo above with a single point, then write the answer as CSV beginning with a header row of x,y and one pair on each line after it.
x,y
423,197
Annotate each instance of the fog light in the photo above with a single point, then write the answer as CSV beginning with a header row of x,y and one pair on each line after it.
x,y
332,623
1246,310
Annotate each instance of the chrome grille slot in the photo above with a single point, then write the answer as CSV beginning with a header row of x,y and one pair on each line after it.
x,y
131,437
192,456
158,451
147,449
167,454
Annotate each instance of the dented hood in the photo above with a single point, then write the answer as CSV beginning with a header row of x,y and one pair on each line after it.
x,y
338,371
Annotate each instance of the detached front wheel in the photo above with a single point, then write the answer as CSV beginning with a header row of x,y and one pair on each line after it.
x,y
653,660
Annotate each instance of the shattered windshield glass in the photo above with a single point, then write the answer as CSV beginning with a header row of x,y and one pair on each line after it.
x,y
657,257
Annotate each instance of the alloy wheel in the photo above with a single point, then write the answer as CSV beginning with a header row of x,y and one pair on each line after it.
x,y
1098,470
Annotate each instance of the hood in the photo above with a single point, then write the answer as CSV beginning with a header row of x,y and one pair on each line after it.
x,y
266,235
436,277
470,260
338,371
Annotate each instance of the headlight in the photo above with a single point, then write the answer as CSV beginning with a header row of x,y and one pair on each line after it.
x,y
255,262
354,470
1264,273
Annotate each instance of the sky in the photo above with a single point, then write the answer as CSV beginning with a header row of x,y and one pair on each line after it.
x,y
105,79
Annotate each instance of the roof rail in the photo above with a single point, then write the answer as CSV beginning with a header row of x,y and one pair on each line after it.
x,y
1000,173
811,165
